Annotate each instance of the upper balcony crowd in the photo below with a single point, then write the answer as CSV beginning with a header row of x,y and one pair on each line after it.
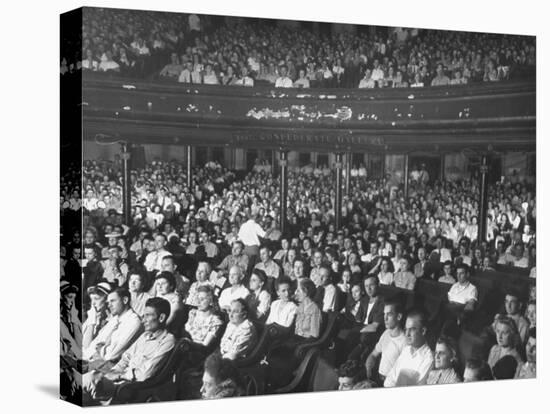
x,y
188,48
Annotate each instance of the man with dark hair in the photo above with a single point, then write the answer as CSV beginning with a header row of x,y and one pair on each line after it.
x,y
168,264
416,359
391,343
141,361
92,269
477,370
348,374
512,307
117,335
154,259
220,379
236,258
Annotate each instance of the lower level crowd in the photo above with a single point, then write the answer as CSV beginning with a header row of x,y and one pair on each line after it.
x,y
149,287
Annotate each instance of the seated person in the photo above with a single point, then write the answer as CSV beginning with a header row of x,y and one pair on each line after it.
x,y
507,341
416,359
268,265
326,292
307,329
348,375
202,274
344,286
204,324
385,276
141,360
529,368
404,278
283,310
476,370
117,335
389,346
445,361
505,368
308,314
236,258
447,276
531,313
462,296
353,310
166,289
98,314
240,334
168,264
512,307
236,291
259,299
373,324
138,297
220,378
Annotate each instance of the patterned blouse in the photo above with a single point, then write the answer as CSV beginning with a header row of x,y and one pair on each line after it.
x,y
238,340
200,324
308,319
442,376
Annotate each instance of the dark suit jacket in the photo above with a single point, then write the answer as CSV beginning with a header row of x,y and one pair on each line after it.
x,y
377,312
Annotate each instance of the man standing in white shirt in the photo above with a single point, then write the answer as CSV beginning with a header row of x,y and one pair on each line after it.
x,y
283,81
416,360
250,233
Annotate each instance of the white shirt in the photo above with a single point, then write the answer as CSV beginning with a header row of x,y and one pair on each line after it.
x,y
249,233
108,65
377,74
116,336
329,299
390,349
229,295
462,293
282,313
411,368
153,260
285,82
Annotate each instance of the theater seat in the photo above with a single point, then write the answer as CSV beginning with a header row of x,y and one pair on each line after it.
x,y
161,386
302,378
268,335
329,328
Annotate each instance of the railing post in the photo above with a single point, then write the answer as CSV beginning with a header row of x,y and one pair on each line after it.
x,y
283,164
348,173
338,197
189,170
406,177
483,190
126,191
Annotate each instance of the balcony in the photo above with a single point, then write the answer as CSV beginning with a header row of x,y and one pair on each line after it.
x,y
477,116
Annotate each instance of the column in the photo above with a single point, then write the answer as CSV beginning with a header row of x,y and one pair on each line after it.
x,y
338,198
126,192
348,173
406,175
283,190
483,189
189,171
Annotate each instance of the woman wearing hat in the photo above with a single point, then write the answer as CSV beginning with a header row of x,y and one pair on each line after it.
x,y
98,314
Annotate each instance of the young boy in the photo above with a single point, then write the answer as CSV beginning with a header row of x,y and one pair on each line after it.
x,y
282,311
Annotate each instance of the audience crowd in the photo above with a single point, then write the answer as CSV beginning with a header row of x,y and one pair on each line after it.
x,y
246,52
209,263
